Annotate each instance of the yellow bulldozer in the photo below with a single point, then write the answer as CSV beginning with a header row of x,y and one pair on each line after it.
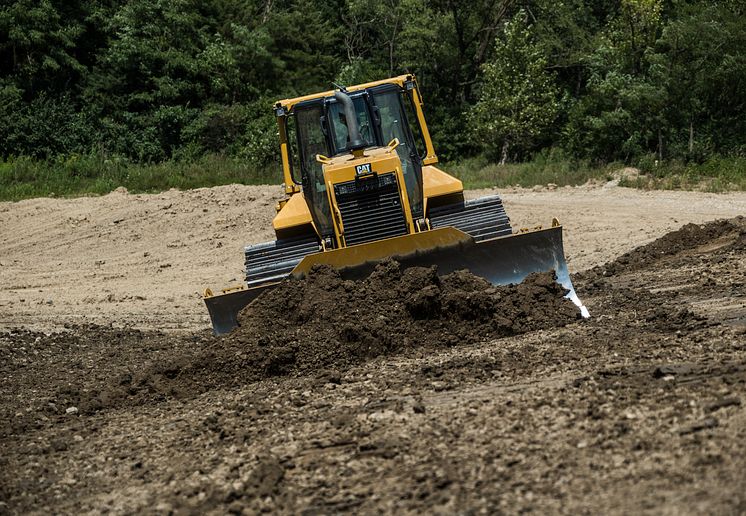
x,y
361,186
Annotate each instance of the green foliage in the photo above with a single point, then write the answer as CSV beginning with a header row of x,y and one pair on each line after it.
x,y
95,174
701,59
261,138
618,118
173,81
518,100
621,114
40,46
43,128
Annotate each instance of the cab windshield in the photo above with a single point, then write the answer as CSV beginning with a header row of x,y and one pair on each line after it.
x,y
338,124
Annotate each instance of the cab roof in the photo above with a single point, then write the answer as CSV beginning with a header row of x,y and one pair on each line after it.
x,y
287,105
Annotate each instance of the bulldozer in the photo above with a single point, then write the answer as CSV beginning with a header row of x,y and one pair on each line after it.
x,y
362,186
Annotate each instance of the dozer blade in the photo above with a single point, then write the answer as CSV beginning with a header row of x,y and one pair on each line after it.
x,y
501,261
224,307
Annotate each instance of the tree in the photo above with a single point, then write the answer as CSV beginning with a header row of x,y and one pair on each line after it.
x,y
161,79
701,59
620,115
619,118
518,99
38,51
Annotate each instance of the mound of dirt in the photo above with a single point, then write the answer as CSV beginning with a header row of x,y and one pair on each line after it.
x,y
323,320
730,234
322,324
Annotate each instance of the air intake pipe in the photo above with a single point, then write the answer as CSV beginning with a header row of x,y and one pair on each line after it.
x,y
356,142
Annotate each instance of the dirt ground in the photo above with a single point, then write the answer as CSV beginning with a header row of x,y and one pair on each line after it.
x,y
451,405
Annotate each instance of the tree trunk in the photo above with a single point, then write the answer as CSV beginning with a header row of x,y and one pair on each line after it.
x,y
660,146
391,58
267,11
504,153
691,137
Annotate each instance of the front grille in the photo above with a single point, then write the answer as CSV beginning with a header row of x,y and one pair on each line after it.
x,y
371,208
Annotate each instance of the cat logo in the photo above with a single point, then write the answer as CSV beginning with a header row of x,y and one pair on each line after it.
x,y
363,169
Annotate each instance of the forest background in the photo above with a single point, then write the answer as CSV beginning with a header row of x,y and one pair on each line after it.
x,y
152,94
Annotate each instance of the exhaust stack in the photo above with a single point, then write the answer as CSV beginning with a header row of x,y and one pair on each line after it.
x,y
353,130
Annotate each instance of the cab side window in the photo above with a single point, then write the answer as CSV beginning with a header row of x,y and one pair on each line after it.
x,y
394,125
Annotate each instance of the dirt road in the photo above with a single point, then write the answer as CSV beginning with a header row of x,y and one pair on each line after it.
x,y
640,409
145,259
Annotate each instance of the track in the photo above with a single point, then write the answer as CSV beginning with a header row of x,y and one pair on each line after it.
x,y
273,261
482,218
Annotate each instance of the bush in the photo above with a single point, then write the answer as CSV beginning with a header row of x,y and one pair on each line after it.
x,y
43,128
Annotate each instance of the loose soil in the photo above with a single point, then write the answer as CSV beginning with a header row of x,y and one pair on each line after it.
x,y
322,324
394,312
402,393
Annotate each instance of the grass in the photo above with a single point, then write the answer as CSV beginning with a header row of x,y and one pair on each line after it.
x,y
479,173
717,174
24,178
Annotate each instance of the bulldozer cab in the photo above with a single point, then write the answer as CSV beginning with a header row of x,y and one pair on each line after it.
x,y
321,127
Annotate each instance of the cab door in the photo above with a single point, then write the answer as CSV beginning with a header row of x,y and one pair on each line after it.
x,y
393,123
312,141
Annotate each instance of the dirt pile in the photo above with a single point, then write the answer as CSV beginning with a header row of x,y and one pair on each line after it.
x,y
704,262
319,325
322,324
323,320
724,236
